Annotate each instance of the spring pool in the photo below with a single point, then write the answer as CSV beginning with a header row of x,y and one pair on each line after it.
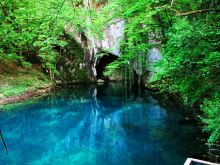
x,y
97,125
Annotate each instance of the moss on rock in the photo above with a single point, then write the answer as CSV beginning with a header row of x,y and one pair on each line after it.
x,y
71,65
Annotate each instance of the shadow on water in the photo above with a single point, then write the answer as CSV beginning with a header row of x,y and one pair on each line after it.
x,y
98,125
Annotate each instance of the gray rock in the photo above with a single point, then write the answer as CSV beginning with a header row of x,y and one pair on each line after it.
x,y
100,81
113,34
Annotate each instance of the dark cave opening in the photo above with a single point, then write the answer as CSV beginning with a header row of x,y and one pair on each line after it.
x,y
102,63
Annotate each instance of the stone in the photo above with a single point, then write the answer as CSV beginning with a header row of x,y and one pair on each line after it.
x,y
100,81
113,34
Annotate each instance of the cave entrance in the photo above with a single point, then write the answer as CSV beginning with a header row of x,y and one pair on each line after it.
x,y
102,63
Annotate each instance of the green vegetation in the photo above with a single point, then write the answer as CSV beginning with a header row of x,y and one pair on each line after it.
x,y
211,108
188,34
16,80
30,33
31,29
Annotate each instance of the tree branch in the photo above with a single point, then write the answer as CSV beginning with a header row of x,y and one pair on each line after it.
x,y
197,11
171,4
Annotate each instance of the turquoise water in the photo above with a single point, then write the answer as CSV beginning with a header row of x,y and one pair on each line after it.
x,y
83,125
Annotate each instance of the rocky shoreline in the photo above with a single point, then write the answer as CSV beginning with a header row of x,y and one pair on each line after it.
x,y
26,95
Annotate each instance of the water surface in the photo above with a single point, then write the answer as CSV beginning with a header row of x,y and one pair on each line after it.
x,y
97,125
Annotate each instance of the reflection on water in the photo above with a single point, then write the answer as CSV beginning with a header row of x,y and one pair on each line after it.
x,y
96,125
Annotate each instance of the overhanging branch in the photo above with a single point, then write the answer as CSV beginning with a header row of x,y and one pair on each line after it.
x,y
197,11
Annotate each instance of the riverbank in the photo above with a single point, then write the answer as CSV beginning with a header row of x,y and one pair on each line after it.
x,y
18,83
25,95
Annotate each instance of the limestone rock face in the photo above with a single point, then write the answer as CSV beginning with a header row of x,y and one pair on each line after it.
x,y
113,34
154,56
137,66
71,65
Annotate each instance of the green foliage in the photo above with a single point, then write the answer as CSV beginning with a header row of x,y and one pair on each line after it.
x,y
31,29
191,60
191,64
211,109
190,46
17,80
145,21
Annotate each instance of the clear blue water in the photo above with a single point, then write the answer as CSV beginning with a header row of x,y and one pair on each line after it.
x,y
97,125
